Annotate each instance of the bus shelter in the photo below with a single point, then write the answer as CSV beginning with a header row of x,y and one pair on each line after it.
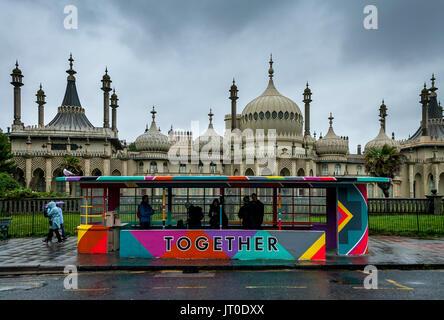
x,y
304,216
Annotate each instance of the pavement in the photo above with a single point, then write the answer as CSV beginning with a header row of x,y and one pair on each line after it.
x,y
31,255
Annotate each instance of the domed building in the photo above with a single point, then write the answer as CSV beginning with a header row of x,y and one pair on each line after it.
x,y
39,150
152,149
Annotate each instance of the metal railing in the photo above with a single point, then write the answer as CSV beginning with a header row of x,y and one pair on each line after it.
x,y
386,215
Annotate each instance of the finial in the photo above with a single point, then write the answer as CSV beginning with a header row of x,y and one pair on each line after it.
x,y
270,70
106,69
40,86
433,88
153,112
307,84
16,63
234,82
210,115
331,120
71,71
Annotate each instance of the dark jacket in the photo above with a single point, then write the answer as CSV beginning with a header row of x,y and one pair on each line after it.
x,y
245,214
145,212
215,218
257,213
195,215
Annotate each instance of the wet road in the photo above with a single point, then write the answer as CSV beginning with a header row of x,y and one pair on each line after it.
x,y
228,285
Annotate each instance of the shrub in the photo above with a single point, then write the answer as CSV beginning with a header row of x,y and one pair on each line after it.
x,y
7,183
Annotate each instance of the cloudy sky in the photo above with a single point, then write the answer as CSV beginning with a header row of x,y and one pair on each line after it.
x,y
181,57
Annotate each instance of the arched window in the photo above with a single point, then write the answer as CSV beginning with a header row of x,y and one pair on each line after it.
x,y
153,167
359,170
212,168
285,172
325,170
337,170
165,166
141,167
183,168
249,172
201,167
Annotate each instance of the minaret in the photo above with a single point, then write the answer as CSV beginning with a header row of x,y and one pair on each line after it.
x,y
17,83
307,99
233,98
41,102
106,87
425,117
114,107
382,114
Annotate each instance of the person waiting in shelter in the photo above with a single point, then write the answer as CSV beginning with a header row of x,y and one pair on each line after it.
x,y
53,213
214,215
245,213
195,216
144,213
257,209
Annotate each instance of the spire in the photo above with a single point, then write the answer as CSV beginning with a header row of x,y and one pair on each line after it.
x,y
71,98
382,114
210,115
270,70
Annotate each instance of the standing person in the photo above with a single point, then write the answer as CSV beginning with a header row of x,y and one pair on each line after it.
x,y
144,213
54,215
61,220
214,215
245,213
258,211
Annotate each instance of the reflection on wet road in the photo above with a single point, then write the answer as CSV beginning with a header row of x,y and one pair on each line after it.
x,y
230,285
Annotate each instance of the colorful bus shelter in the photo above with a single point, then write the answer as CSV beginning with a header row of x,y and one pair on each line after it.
x,y
334,211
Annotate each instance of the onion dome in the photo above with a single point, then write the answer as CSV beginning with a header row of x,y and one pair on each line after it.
x,y
210,138
331,143
272,110
382,138
152,139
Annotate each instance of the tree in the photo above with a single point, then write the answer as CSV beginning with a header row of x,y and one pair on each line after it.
x,y
132,147
6,163
383,162
7,183
72,164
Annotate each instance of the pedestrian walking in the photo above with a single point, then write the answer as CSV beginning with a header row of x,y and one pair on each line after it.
x,y
53,214
59,203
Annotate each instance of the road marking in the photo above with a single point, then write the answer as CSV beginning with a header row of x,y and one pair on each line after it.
x,y
185,275
270,287
401,287
197,287
158,288
98,289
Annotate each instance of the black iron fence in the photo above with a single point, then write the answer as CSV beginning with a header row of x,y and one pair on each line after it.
x,y
405,216
28,218
386,216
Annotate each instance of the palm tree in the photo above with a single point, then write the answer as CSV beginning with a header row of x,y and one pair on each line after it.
x,y
383,162
72,164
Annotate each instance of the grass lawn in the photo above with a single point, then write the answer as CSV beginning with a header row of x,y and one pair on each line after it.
x,y
388,224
